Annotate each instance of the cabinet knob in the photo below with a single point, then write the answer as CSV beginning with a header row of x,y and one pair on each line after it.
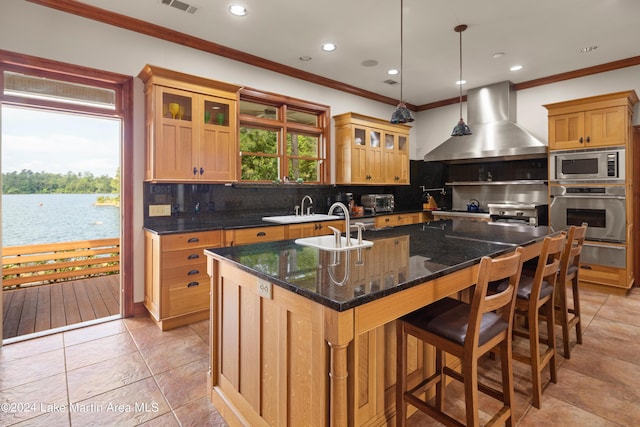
x,y
193,240
588,139
195,170
201,171
193,272
193,256
261,233
581,140
192,284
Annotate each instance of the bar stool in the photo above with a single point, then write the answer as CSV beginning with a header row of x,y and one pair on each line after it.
x,y
568,317
535,294
466,331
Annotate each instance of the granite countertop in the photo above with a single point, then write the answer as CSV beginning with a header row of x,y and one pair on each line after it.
x,y
356,277
196,223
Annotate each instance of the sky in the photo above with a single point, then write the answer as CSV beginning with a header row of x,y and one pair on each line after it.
x,y
44,141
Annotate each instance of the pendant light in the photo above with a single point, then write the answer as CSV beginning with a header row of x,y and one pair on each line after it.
x,y
402,113
461,128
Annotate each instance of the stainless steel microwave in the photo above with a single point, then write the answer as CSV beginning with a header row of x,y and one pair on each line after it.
x,y
595,165
378,202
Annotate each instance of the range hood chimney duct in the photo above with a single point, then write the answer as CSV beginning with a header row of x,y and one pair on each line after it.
x,y
491,111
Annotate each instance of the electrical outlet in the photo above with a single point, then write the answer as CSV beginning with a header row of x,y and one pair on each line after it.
x,y
264,288
159,210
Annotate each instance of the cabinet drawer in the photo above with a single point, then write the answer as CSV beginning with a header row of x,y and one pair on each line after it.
x,y
255,235
186,257
185,273
187,297
173,242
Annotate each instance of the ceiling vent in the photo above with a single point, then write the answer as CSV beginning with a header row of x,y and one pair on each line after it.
x,y
180,5
391,82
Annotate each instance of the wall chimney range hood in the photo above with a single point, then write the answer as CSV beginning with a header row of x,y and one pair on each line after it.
x,y
491,113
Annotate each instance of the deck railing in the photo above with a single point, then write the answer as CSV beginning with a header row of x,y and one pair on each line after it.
x,y
55,262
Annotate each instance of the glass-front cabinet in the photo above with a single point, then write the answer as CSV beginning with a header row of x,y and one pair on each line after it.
x,y
371,151
191,127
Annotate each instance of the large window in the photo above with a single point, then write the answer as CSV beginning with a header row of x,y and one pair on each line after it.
x,y
282,139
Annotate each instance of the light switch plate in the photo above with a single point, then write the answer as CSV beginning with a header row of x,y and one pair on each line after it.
x,y
264,288
159,210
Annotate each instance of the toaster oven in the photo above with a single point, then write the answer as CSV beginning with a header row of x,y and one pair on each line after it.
x,y
378,202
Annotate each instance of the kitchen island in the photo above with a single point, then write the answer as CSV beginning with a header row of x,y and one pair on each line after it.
x,y
302,336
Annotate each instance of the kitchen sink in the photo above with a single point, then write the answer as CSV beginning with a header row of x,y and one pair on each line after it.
x,y
328,243
296,219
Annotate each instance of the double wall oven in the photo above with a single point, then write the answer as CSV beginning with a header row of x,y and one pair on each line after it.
x,y
588,186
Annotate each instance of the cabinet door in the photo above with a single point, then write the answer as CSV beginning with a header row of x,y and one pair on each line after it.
x,y
218,150
359,151
174,147
606,126
566,131
402,160
374,158
389,157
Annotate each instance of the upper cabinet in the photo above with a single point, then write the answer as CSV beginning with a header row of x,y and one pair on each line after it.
x,y
598,121
191,127
371,151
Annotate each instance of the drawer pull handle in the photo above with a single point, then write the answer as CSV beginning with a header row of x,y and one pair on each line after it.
x,y
192,272
193,240
261,233
192,284
193,256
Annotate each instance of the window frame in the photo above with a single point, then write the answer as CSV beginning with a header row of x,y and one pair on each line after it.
x,y
283,127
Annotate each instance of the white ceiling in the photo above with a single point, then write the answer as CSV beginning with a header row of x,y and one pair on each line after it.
x,y
544,36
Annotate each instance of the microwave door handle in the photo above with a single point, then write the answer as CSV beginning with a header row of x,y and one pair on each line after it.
x,y
589,197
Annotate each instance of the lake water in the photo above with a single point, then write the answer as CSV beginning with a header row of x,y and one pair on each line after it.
x,y
47,218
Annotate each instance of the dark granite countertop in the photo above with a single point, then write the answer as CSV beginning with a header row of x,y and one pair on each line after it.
x,y
353,278
195,223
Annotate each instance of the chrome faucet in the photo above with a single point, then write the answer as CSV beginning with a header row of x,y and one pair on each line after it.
x,y
302,205
347,225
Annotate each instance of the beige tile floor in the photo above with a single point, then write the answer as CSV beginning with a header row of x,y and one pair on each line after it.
x,y
128,372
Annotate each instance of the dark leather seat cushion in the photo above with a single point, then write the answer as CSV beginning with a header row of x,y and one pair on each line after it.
x,y
449,318
524,287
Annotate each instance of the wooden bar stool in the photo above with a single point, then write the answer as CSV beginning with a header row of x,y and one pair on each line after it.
x,y
535,294
569,316
466,331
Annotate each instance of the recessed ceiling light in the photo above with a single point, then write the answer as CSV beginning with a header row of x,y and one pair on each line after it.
x,y
328,47
461,82
305,58
498,55
237,10
588,49
392,72
516,68
369,63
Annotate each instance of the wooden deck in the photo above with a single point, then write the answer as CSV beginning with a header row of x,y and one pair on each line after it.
x,y
40,308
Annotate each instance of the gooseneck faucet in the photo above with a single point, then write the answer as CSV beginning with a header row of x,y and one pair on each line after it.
x,y
347,225
302,205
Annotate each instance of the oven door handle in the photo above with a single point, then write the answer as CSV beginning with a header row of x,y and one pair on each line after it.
x,y
595,245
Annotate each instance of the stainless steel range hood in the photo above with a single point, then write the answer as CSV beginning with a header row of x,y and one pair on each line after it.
x,y
491,113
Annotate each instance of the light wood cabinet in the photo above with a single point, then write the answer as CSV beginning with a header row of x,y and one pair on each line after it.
x,y
598,121
176,290
191,127
310,229
395,220
371,151
243,236
603,121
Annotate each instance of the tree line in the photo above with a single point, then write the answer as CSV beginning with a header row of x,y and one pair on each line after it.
x,y
29,182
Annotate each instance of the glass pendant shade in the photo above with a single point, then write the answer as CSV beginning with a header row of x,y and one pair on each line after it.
x,y
461,129
401,115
